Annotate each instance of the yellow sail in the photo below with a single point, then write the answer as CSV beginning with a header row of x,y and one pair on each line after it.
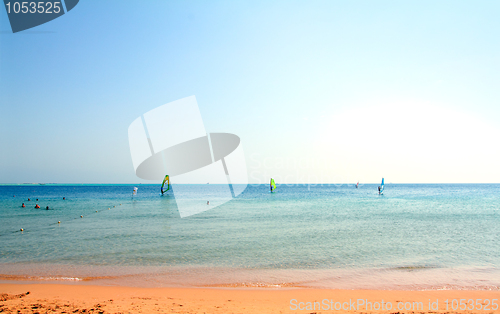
x,y
167,181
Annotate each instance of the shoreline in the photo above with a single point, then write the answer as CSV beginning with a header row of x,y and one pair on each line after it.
x,y
59,298
112,281
399,278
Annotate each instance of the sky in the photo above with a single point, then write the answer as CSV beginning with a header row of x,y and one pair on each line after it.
x,y
317,91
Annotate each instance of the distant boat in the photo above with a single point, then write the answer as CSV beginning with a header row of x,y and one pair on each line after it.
x,y
167,181
272,185
381,188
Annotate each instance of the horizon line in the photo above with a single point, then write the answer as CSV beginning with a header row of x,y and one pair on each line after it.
x,y
310,183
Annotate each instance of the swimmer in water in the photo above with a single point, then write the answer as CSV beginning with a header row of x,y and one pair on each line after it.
x,y
37,206
23,205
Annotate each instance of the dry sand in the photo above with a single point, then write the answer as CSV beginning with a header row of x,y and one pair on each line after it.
x,y
61,298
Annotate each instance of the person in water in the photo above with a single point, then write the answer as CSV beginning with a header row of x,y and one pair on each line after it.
x,y
37,206
23,205
379,189
47,208
208,202
64,198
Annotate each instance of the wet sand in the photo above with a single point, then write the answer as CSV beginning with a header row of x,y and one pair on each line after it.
x,y
61,298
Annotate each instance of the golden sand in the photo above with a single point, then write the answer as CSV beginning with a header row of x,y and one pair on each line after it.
x,y
61,298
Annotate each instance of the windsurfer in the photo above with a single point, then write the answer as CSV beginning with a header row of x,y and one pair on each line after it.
x,y
272,185
166,181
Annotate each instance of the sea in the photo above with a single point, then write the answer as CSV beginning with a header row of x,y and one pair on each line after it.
x,y
413,237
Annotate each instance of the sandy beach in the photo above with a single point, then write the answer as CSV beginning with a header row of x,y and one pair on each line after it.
x,y
60,298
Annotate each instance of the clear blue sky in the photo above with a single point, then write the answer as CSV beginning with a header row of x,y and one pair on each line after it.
x,y
318,91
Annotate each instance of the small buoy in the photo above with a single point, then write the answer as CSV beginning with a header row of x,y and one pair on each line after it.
x,y
114,206
81,216
58,222
22,229
96,211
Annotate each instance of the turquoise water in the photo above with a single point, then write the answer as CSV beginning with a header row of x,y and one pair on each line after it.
x,y
414,236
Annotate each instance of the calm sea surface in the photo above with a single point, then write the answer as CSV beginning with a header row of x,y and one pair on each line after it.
x,y
415,236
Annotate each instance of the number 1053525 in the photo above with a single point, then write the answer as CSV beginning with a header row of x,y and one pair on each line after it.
x,y
34,7
471,304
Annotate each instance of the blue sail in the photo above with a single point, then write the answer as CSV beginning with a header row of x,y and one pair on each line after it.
x,y
382,186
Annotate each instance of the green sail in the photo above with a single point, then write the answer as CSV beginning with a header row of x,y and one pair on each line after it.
x,y
167,181
273,185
